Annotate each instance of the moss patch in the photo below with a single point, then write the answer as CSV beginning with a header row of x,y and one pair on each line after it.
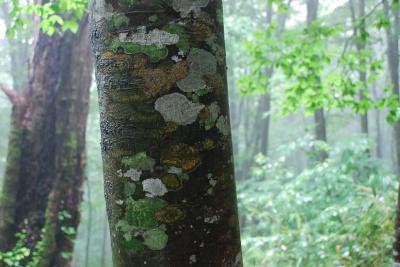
x,y
155,53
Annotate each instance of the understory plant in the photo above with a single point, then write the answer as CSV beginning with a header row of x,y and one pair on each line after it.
x,y
334,213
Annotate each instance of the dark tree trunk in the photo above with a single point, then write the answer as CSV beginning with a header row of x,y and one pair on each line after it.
x,y
18,54
46,162
167,155
70,160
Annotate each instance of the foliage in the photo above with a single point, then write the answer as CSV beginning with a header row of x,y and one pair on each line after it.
x,y
56,15
20,255
336,213
318,75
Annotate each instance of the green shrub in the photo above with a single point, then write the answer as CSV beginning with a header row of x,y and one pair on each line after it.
x,y
336,213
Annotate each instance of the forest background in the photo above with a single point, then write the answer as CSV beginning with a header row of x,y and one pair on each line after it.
x,y
312,112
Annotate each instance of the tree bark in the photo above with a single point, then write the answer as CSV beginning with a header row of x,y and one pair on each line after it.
x,y
46,157
166,146
71,110
392,34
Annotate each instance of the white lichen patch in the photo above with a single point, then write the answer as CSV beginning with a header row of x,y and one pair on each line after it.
x,y
192,83
156,239
201,63
192,259
174,170
185,7
238,260
178,109
133,174
101,10
223,126
214,111
176,59
119,202
155,37
211,219
154,187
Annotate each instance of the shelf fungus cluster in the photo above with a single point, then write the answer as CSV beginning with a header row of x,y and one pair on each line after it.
x,y
161,75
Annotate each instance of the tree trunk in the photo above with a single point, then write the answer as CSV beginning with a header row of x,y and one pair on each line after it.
x,y
392,34
379,134
72,102
41,191
264,103
167,155
18,63
359,34
319,114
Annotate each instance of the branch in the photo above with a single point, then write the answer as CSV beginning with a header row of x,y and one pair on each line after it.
x,y
14,97
350,39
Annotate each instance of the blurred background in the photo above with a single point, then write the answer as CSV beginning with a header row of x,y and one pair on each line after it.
x,y
312,115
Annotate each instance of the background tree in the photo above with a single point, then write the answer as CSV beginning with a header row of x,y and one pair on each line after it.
x,y
45,167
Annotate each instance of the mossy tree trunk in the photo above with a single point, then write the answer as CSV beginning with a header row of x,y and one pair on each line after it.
x,y
63,214
45,167
169,184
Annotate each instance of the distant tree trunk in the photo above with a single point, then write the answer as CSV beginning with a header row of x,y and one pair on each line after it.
x,y
392,34
360,31
19,54
262,120
72,104
7,203
264,103
104,245
319,114
42,186
379,139
167,155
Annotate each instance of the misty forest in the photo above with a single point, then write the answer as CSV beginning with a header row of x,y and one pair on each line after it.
x,y
209,133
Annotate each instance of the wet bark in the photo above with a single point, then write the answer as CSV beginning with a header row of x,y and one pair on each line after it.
x,y
62,212
18,63
167,154
46,160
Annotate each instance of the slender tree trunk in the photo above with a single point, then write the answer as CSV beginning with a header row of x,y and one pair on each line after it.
x,y
379,139
264,103
89,224
392,34
319,114
262,120
167,155
359,30
104,245
41,190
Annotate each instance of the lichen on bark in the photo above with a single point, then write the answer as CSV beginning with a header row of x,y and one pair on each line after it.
x,y
162,89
